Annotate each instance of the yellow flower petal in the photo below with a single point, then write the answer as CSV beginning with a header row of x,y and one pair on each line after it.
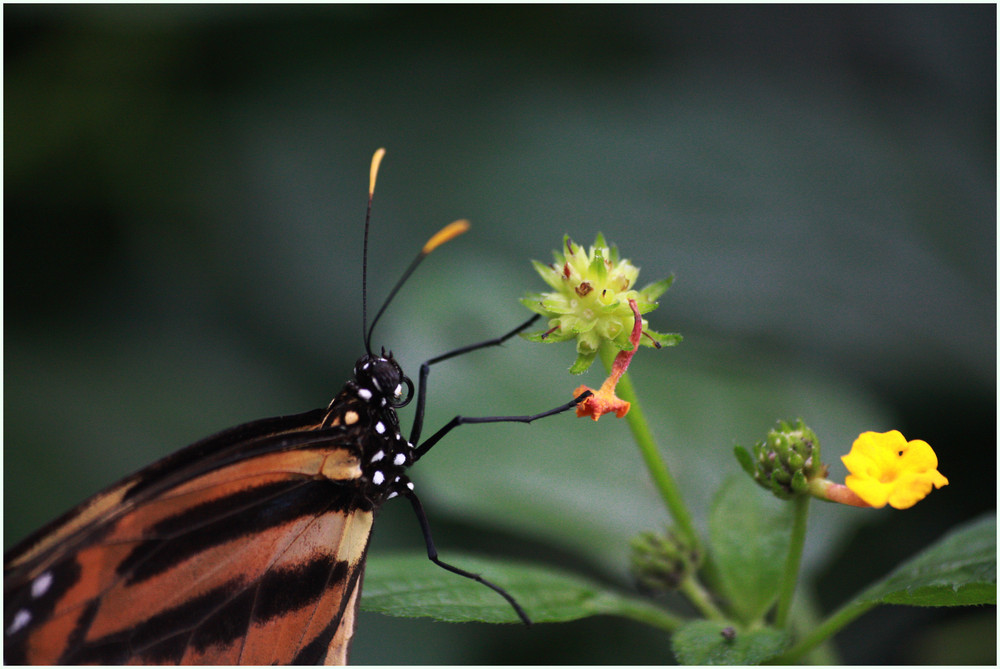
x,y
871,491
887,469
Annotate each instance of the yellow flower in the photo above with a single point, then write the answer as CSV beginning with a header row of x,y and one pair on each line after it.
x,y
885,468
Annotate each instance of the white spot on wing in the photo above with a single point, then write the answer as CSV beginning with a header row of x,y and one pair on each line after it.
x,y
399,459
21,619
378,478
380,427
41,584
378,456
364,394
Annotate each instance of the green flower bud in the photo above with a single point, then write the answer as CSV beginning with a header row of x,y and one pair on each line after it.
x,y
661,562
589,301
800,485
786,461
796,461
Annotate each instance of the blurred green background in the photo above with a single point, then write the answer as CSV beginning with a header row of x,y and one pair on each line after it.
x,y
184,191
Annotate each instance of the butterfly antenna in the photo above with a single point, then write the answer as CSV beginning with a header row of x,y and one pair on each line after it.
x,y
365,332
445,234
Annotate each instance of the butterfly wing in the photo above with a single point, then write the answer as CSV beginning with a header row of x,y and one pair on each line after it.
x,y
247,547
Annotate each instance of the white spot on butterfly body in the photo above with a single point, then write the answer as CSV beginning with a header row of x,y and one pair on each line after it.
x,y
378,478
41,584
399,390
21,619
364,394
399,459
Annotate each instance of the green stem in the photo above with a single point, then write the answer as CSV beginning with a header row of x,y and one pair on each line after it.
x,y
643,436
651,615
699,597
828,628
793,560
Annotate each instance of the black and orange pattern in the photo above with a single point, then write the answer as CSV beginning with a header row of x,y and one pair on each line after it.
x,y
247,547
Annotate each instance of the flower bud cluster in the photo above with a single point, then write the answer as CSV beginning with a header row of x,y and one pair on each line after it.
x,y
785,461
661,562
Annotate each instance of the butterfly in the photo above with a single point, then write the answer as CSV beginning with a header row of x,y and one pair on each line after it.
x,y
247,547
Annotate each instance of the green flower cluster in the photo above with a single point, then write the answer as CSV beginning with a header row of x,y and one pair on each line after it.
x,y
590,301
785,461
661,562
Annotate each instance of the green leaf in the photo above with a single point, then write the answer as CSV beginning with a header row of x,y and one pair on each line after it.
x,y
749,534
558,254
582,363
546,272
533,301
409,585
745,459
546,338
651,292
597,266
959,570
705,642
555,303
662,338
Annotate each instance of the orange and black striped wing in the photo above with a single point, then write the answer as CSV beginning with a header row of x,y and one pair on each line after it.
x,y
245,548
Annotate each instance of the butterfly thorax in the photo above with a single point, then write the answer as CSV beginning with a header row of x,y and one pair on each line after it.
x,y
366,407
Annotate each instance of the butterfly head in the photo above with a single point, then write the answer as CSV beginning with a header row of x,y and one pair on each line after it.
x,y
380,380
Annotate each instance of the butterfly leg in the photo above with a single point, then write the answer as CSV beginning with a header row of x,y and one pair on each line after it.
x,y
467,420
433,555
418,419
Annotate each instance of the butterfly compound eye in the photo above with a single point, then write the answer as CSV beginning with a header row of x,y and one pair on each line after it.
x,y
402,400
384,378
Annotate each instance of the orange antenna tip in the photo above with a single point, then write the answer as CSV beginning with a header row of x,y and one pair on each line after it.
x,y
445,234
376,161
